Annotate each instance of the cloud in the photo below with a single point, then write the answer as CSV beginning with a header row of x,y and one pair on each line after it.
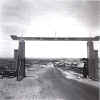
x,y
16,15
89,13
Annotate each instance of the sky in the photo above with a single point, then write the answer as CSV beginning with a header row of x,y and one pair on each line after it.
x,y
50,18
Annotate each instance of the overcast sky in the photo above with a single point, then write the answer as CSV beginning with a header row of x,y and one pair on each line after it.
x,y
66,18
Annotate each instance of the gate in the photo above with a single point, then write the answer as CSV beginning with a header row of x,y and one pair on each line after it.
x,y
91,53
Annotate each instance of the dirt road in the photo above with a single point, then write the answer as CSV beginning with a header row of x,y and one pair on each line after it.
x,y
46,84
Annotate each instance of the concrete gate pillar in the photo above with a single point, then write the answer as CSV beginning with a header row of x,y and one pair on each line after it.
x,y
15,54
90,55
21,60
15,57
96,75
92,60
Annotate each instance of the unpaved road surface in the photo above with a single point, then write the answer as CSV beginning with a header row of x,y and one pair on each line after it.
x,y
46,84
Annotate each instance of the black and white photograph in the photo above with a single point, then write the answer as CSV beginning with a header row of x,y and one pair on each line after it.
x,y
49,49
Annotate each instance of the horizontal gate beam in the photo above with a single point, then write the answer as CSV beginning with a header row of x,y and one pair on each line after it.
x,y
97,38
